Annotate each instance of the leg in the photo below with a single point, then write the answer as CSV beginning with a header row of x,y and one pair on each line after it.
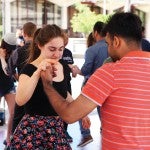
x,y
10,99
84,132
69,138
2,116
86,135
99,114
18,114
98,110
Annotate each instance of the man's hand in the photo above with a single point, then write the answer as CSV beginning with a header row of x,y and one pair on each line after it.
x,y
47,75
75,70
86,123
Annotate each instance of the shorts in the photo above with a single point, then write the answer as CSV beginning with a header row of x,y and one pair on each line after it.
x,y
4,91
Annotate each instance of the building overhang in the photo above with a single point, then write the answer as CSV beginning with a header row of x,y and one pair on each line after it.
x,y
107,4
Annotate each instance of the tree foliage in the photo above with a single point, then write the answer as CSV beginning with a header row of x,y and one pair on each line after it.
x,y
84,20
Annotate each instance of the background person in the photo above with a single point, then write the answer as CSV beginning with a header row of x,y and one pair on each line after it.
x,y
7,86
86,133
90,40
16,63
20,38
68,58
145,44
94,58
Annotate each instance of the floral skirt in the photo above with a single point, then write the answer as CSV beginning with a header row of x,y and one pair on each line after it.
x,y
40,133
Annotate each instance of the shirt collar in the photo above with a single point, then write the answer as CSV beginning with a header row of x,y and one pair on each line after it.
x,y
138,53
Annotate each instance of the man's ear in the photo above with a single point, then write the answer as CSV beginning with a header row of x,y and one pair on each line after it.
x,y
95,34
39,46
116,41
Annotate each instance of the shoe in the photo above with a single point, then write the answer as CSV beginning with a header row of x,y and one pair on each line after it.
x,y
69,138
6,145
7,148
100,130
5,142
85,141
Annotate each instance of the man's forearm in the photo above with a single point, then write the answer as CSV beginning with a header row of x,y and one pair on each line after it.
x,y
68,111
58,102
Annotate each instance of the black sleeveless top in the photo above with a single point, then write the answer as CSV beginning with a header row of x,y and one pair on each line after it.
x,y
39,103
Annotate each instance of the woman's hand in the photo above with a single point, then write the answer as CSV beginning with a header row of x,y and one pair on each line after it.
x,y
3,61
46,63
2,53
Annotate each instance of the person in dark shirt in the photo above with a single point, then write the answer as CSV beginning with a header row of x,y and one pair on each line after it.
x,y
68,58
41,127
17,61
7,86
20,38
18,58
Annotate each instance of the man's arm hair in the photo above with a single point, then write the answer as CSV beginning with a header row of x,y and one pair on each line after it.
x,y
68,111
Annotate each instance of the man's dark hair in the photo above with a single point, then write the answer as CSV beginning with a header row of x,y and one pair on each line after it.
x,y
98,26
143,28
126,25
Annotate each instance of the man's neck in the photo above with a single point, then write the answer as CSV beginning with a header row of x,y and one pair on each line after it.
x,y
99,38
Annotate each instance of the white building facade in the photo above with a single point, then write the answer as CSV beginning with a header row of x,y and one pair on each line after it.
x,y
16,12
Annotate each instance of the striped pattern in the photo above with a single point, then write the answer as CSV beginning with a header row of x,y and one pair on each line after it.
x,y
123,90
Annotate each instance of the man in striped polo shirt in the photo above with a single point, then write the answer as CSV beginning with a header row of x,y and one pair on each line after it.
x,y
122,89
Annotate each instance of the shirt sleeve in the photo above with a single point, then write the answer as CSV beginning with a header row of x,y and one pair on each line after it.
x,y
12,62
100,84
67,56
88,64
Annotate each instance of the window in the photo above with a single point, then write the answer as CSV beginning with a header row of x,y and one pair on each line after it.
x,y
40,12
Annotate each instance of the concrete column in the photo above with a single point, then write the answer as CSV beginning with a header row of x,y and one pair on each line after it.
x,y
147,26
64,18
6,16
110,11
104,7
127,7
55,14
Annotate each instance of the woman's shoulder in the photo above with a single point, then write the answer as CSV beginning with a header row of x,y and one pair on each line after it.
x,y
28,69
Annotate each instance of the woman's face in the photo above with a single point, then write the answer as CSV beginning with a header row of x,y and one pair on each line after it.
x,y
53,49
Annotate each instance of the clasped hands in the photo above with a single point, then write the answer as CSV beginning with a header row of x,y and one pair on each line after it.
x,y
47,70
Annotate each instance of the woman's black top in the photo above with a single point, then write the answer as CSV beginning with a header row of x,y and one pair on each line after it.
x,y
39,103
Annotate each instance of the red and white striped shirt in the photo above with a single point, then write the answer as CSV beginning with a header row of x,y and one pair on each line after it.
x,y
123,90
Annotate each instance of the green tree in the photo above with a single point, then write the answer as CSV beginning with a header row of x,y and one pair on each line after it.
x,y
84,20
